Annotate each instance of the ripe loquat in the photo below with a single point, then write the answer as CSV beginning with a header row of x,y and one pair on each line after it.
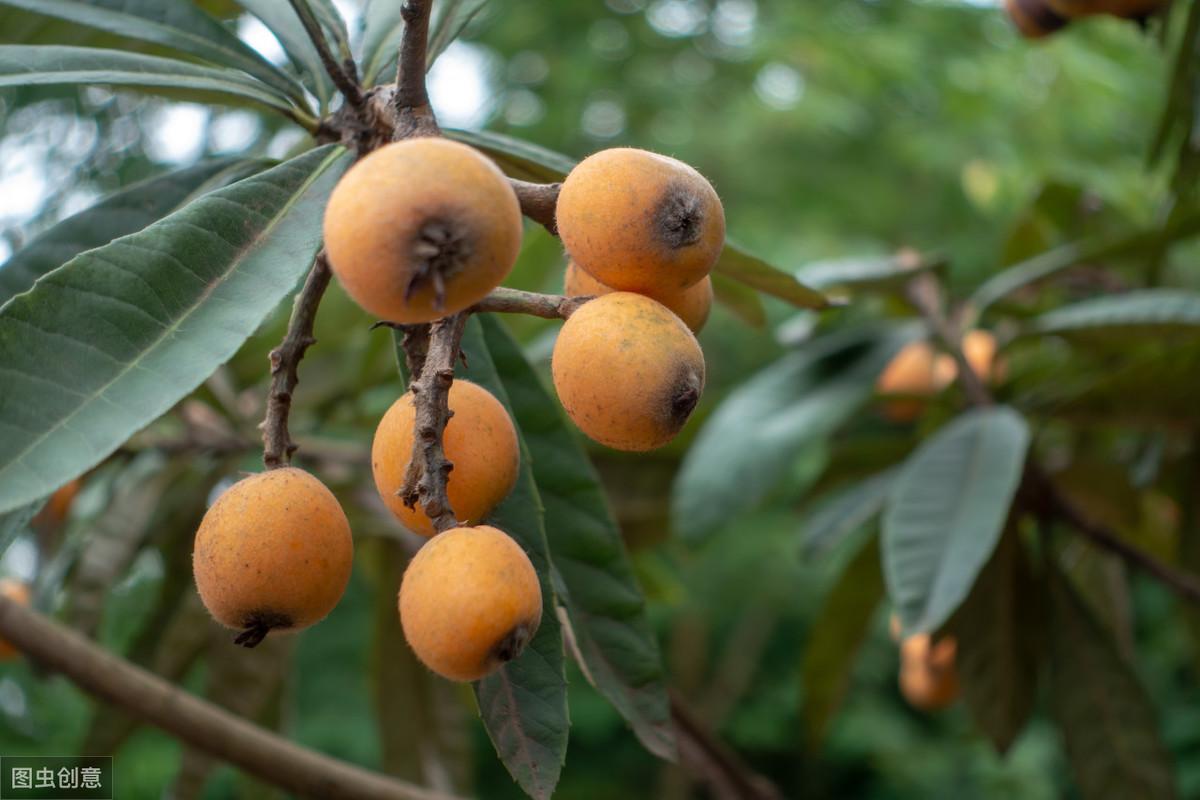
x,y
469,602
422,228
640,222
480,440
273,552
627,371
691,304
916,372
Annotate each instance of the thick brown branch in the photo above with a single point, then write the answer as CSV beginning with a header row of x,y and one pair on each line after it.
x,y
924,293
428,468
538,201
514,301
200,724
345,80
414,116
285,361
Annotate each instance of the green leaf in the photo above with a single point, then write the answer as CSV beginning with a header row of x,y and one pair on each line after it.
x,y
1148,312
758,274
36,65
15,522
524,703
176,24
450,18
946,510
745,448
1112,739
744,302
867,272
282,21
833,644
333,23
844,511
604,604
124,212
108,342
998,628
382,30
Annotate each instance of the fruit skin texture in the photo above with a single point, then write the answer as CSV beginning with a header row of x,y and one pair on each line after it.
x,y
274,551
640,222
627,371
691,304
414,215
469,602
480,440
19,593
928,676
917,371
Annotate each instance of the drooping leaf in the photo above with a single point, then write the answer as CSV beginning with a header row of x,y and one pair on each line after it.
x,y
744,302
999,634
1112,739
862,272
738,264
1146,313
746,446
124,212
524,703
946,510
842,625
39,65
282,21
116,336
177,24
844,511
603,601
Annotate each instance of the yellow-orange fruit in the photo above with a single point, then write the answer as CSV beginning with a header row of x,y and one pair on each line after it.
x,y
19,593
627,371
55,512
479,440
640,222
928,675
1034,19
894,628
916,372
422,228
273,552
979,348
469,602
691,304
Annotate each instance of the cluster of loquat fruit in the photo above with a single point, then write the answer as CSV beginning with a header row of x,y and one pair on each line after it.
x,y
1036,19
425,228
918,372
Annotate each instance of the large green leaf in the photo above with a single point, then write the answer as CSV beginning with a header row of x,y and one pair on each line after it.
x,y
382,30
524,703
124,212
745,303
844,511
863,272
999,632
842,625
946,510
282,21
604,604
115,337
1107,721
745,448
33,65
176,24
527,161
1149,312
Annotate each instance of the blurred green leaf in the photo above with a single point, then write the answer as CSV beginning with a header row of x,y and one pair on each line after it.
x,y
282,21
34,65
843,511
1148,312
177,24
999,633
15,522
842,624
745,448
124,212
103,345
946,510
738,264
1108,726
868,272
603,601
745,303
382,30
450,17
524,703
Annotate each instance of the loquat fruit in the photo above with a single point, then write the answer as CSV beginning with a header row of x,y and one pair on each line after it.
x,y
54,512
1034,19
274,552
480,440
627,371
422,228
18,592
691,304
469,602
640,222
928,675
916,372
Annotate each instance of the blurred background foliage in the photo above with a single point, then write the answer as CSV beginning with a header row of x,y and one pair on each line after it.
x,y
831,130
